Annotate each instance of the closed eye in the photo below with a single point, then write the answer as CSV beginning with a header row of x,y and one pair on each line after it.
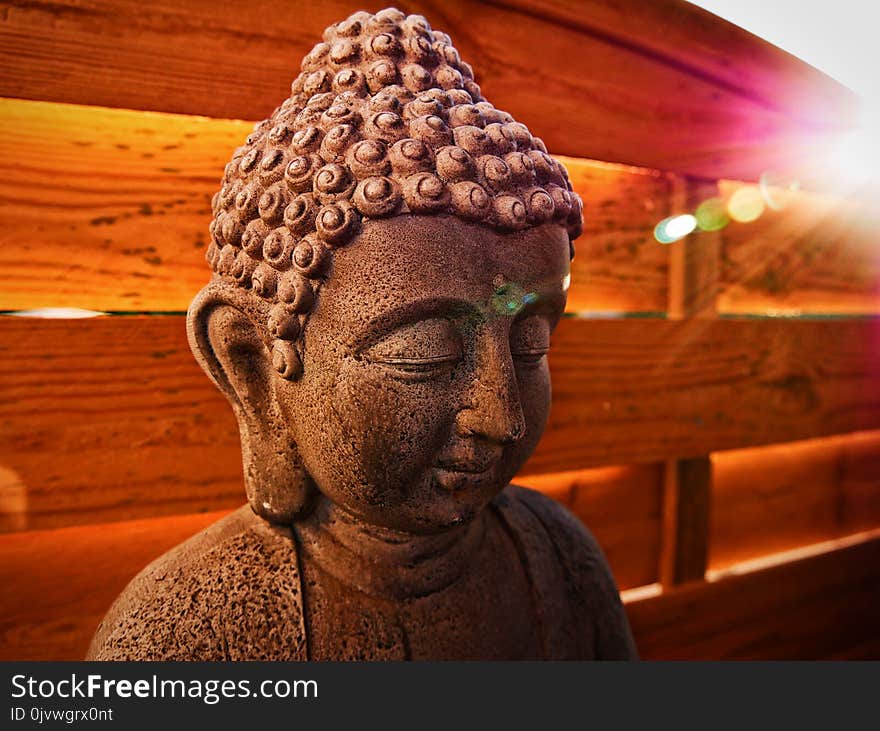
x,y
529,356
419,362
418,351
419,369
530,340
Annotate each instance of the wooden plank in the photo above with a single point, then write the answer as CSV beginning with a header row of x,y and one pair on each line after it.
x,y
621,506
687,36
820,607
693,288
618,265
649,390
694,262
776,498
687,493
130,193
607,80
106,209
111,418
817,253
59,583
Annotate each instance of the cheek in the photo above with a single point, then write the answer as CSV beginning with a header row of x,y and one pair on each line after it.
x,y
534,393
381,434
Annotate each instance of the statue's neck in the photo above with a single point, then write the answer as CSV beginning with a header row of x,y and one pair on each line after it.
x,y
385,562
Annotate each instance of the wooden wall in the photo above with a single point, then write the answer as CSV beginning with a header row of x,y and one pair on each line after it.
x,y
716,414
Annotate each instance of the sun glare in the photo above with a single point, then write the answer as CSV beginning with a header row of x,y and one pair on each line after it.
x,y
839,40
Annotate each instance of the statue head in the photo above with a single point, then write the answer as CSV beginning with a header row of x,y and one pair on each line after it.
x,y
390,254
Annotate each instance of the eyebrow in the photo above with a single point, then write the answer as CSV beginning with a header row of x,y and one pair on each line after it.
x,y
408,313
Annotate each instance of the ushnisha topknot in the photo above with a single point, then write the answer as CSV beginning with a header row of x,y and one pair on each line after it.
x,y
384,119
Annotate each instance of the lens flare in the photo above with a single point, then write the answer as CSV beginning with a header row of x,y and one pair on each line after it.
x,y
854,156
777,190
674,228
508,298
711,215
746,204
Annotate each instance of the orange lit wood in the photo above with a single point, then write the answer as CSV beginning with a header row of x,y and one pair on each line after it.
x,y
646,390
621,506
694,262
57,584
618,265
775,498
109,210
820,253
106,209
821,607
111,418
686,499
693,288
650,86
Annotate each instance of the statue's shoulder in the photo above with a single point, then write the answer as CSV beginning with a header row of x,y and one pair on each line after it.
x,y
230,592
593,596
579,549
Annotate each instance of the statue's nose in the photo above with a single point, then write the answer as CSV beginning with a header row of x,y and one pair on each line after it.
x,y
493,410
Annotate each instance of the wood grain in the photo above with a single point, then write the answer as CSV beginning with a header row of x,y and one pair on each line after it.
x,y
106,209
817,253
820,607
694,261
670,87
687,490
647,390
780,497
130,194
621,506
58,584
111,418
618,265
686,498
684,35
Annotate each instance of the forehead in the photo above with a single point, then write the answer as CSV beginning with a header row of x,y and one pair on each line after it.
x,y
406,261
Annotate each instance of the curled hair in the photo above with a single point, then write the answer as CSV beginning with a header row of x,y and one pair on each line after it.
x,y
384,119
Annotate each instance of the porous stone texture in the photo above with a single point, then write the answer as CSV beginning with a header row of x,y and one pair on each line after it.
x,y
537,588
390,256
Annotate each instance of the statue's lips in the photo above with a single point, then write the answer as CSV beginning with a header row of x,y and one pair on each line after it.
x,y
456,476
468,458
468,469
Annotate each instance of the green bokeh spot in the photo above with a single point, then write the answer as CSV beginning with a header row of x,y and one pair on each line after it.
x,y
508,299
711,215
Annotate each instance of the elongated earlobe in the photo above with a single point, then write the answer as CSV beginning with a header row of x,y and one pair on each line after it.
x,y
229,344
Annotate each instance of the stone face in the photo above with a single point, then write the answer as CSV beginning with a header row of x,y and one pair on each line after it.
x,y
390,256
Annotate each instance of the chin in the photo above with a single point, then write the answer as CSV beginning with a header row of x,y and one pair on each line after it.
x,y
442,521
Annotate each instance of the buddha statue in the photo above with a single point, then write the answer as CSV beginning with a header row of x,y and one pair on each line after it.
x,y
390,254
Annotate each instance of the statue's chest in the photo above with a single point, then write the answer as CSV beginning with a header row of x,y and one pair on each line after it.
x,y
489,613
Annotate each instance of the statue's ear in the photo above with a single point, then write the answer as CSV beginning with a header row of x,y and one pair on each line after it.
x,y
226,336
229,347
